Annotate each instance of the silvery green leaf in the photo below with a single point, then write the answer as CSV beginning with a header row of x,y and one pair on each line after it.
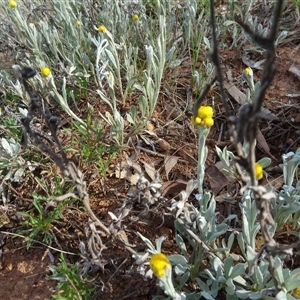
x,y
192,296
265,162
23,111
281,296
230,240
175,63
170,53
202,285
281,37
140,258
112,59
183,279
227,266
258,277
230,287
207,296
11,147
147,242
278,273
256,295
18,175
238,269
6,147
180,243
210,212
293,280
243,294
241,243
290,166
232,297
240,280
229,22
178,259
150,89
130,119
159,241
179,269
143,105
206,41
217,264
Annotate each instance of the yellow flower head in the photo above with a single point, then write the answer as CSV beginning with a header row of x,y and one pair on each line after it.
x,y
31,25
41,22
209,122
78,23
248,71
258,171
297,291
102,29
159,264
45,71
12,4
196,121
135,17
205,112
204,116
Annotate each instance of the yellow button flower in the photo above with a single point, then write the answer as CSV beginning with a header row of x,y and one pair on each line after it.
x,y
45,71
205,112
78,23
159,264
135,17
196,121
297,291
12,4
258,171
204,116
102,29
209,122
248,71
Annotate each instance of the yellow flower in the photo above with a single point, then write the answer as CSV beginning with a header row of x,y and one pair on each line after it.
x,y
196,121
78,22
204,116
258,171
248,71
12,4
102,28
209,122
159,264
205,112
41,22
135,17
297,291
45,71
31,25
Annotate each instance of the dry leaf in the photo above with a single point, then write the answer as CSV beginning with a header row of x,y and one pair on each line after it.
x,y
170,162
216,179
173,188
122,170
263,143
151,172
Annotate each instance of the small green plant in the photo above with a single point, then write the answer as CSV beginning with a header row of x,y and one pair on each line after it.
x,y
89,144
73,285
41,223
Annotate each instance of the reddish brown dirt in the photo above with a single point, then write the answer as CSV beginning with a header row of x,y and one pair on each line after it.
x,y
23,274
